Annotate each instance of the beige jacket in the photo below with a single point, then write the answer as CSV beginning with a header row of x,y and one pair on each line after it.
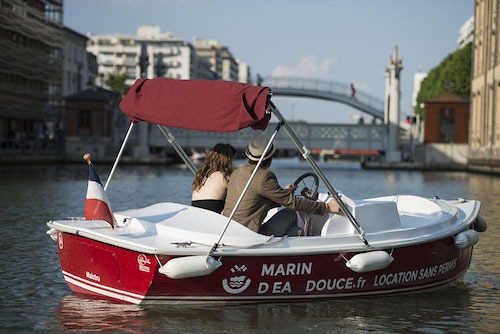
x,y
263,194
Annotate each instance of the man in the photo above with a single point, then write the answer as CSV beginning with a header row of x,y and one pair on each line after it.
x,y
265,193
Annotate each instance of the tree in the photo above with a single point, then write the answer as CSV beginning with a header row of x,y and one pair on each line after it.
x,y
452,75
117,83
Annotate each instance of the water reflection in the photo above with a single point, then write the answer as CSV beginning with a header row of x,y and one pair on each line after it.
x,y
452,309
83,314
448,308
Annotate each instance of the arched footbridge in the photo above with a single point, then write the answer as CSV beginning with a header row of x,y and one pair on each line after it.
x,y
325,90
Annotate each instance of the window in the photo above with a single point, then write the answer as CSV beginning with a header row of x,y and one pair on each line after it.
x,y
446,125
84,119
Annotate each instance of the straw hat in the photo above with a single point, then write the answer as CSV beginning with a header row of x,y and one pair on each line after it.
x,y
257,146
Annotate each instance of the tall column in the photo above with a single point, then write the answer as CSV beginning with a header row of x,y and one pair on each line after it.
x,y
392,108
387,99
141,149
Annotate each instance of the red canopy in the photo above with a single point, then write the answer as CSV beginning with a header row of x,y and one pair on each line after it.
x,y
204,105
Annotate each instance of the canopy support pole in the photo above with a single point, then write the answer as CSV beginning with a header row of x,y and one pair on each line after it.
x,y
118,157
180,151
306,154
246,187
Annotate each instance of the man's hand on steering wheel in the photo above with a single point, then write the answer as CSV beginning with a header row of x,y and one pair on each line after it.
x,y
306,192
291,187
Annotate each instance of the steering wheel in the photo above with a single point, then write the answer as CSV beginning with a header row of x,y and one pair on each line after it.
x,y
312,192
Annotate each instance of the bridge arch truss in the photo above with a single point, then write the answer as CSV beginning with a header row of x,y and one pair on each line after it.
x,y
326,90
313,136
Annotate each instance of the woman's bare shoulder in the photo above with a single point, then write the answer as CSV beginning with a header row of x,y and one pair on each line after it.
x,y
217,173
217,176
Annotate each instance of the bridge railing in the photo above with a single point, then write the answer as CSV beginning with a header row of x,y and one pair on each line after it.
x,y
314,136
324,86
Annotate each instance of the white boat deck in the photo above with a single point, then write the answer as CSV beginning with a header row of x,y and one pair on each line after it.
x,y
171,228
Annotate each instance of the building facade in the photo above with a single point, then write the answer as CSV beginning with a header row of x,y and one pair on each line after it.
x,y
466,33
447,119
244,74
92,118
31,43
223,64
484,136
164,55
80,66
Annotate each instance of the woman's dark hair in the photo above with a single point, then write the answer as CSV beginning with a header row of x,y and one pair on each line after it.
x,y
220,158
226,149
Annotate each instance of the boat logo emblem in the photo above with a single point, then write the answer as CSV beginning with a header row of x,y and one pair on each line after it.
x,y
60,240
144,263
237,283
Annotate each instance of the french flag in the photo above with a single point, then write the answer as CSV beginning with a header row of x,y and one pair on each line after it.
x,y
97,204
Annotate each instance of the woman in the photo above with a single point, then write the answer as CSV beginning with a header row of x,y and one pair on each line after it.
x,y
210,182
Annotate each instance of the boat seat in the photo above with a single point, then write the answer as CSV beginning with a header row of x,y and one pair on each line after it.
x,y
377,216
373,217
337,224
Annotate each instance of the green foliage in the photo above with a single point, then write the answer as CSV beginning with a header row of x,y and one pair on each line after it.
x,y
116,81
452,75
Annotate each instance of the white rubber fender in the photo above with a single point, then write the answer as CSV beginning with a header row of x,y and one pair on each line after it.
x,y
369,261
466,238
190,266
52,233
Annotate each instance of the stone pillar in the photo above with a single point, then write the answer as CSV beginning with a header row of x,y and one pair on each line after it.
x,y
141,150
392,107
387,98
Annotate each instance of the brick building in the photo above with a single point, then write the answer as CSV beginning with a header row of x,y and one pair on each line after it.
x,y
90,117
447,119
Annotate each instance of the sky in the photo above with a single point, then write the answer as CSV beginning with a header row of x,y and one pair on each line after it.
x,y
333,40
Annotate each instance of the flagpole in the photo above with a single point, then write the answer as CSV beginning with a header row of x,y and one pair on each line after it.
x,y
119,156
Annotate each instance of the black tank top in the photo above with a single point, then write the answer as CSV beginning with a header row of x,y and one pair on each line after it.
x,y
215,205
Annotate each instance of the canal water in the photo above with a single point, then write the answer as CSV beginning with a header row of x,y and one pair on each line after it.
x,y
35,298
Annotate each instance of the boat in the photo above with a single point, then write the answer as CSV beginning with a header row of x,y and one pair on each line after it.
x,y
174,253
197,157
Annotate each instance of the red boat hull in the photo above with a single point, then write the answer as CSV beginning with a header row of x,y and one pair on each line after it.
x,y
94,268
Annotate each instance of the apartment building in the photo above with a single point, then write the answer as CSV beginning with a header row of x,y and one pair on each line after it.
x,y
80,66
466,33
225,66
162,54
244,74
484,136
